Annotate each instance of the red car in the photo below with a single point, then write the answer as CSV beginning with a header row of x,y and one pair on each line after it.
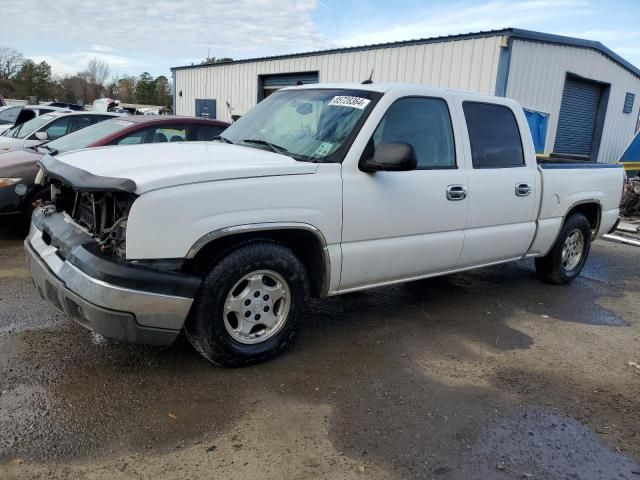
x,y
18,169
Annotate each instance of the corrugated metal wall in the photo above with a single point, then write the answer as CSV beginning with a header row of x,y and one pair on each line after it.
x,y
536,79
469,64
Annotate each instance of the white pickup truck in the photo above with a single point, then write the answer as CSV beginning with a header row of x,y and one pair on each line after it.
x,y
319,190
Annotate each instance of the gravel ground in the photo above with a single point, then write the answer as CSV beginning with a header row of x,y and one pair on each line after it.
x,y
483,375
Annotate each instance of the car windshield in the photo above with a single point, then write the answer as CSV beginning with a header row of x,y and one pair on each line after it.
x,y
8,115
306,124
27,128
87,136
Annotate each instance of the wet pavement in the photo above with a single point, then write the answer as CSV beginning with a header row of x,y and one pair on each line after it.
x,y
483,375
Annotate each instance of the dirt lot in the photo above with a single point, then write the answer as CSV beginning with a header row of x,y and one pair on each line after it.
x,y
484,375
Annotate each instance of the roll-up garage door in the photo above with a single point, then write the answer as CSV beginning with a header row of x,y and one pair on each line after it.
x,y
578,116
271,83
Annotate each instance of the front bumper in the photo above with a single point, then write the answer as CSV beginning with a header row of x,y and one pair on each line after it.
x,y
118,301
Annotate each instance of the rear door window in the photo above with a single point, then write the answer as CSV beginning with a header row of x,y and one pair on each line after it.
x,y
163,134
170,134
207,132
494,136
57,128
133,138
79,122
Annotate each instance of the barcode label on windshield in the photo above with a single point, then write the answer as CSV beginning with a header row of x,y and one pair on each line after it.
x,y
346,101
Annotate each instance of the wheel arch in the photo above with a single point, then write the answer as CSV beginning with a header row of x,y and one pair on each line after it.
x,y
591,209
305,240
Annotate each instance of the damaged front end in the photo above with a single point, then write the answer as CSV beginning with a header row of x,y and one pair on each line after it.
x,y
76,253
99,205
102,214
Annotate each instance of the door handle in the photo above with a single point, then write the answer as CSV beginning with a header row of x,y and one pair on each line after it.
x,y
523,189
456,192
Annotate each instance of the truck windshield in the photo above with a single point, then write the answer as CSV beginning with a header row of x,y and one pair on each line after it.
x,y
315,125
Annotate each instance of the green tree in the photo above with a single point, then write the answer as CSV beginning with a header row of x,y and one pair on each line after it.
x,y
145,91
34,79
125,89
163,91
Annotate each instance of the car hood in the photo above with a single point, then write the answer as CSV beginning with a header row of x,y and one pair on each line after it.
x,y
162,165
8,143
18,163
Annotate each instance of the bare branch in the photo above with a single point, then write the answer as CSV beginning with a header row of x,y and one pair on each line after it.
x,y
10,62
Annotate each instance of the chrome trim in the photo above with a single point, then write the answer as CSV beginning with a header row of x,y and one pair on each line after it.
x,y
267,226
150,309
522,189
456,192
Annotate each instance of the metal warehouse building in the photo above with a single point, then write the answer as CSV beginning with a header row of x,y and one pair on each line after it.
x,y
579,96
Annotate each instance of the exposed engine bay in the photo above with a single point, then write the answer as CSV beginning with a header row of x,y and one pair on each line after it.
x,y
101,214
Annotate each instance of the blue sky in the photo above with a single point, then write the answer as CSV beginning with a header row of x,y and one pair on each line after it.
x,y
154,35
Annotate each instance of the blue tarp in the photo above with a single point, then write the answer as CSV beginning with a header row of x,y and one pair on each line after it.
x,y
632,153
538,123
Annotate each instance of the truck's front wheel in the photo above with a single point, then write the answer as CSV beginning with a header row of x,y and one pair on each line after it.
x,y
567,256
248,307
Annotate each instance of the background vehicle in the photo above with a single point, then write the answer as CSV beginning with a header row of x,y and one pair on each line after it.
x,y
18,114
71,106
319,190
49,126
18,168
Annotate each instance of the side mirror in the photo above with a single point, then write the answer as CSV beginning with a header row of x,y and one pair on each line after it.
x,y
42,136
391,157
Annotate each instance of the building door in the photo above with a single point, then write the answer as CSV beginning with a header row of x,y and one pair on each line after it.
x,y
577,123
270,83
206,108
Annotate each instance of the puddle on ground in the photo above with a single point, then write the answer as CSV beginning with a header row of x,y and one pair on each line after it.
x,y
356,354
538,443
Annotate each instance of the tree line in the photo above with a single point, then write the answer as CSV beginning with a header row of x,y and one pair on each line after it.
x,y
22,78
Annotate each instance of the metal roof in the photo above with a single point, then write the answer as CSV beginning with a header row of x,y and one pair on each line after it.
x,y
509,32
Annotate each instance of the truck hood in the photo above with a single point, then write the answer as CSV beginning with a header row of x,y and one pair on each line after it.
x,y
162,165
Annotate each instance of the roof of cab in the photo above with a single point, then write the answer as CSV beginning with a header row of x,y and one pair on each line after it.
x,y
385,88
408,89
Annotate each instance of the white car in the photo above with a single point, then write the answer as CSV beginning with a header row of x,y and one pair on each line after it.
x,y
16,114
319,190
48,127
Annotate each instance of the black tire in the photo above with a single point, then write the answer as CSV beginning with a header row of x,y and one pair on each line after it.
x,y
205,328
550,267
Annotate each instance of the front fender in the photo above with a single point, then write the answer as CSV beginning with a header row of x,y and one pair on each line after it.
x,y
169,223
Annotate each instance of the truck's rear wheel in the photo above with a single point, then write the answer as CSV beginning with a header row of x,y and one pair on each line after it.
x,y
248,307
568,255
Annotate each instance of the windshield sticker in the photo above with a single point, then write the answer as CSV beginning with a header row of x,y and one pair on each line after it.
x,y
323,149
346,101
